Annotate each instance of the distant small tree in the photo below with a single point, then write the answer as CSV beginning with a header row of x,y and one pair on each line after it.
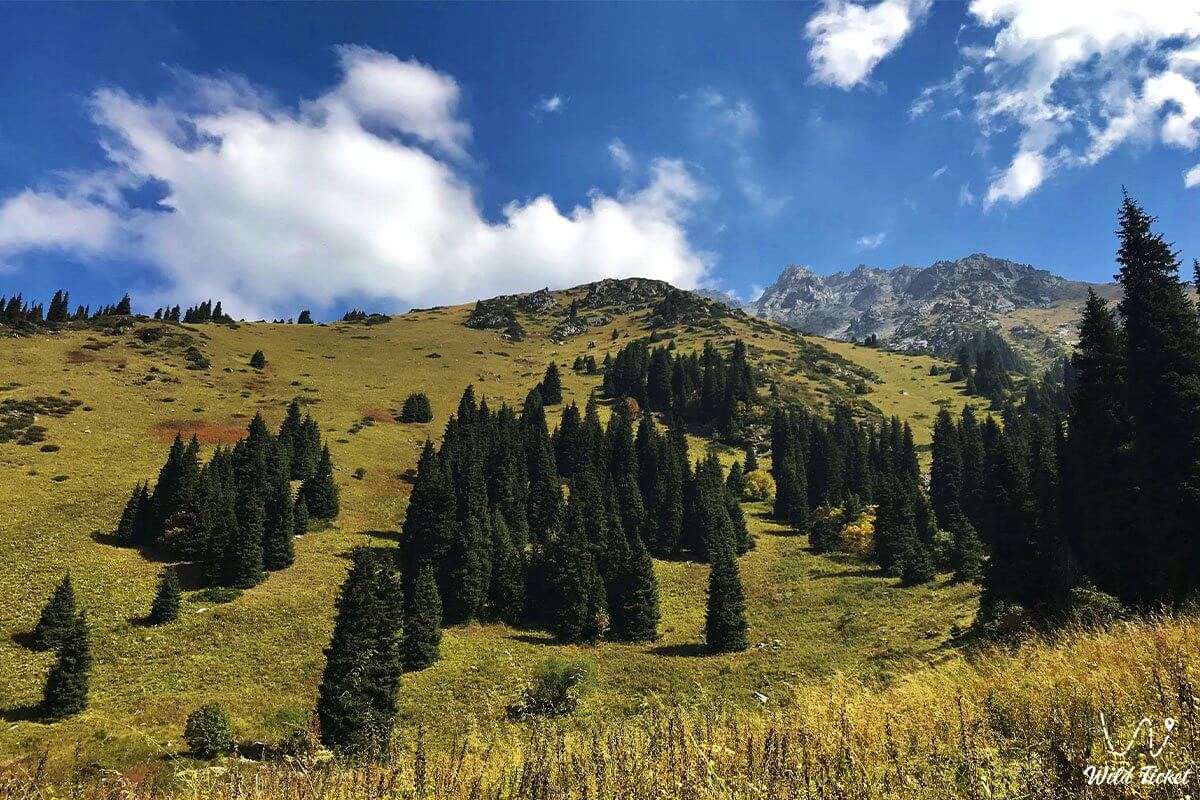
x,y
320,493
58,616
258,360
66,691
416,408
165,607
751,463
305,318
207,732
552,386
422,623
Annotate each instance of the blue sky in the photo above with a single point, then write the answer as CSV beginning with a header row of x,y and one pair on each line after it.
x,y
389,155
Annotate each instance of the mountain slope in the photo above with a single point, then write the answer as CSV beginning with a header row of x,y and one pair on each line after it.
x,y
913,308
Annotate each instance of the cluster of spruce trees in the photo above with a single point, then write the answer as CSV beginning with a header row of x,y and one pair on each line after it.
x,y
820,465
199,313
705,389
237,513
985,362
1109,496
16,311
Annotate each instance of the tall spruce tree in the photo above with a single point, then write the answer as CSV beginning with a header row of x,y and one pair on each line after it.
x,y
551,386
422,622
66,690
356,702
507,592
635,612
578,612
725,618
319,490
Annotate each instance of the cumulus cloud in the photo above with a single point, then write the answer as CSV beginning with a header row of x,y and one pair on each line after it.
x,y
850,39
871,241
1075,79
355,193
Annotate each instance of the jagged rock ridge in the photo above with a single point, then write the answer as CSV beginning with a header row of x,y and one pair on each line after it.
x,y
911,308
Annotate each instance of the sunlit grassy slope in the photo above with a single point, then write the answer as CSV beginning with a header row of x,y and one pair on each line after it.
x,y
261,655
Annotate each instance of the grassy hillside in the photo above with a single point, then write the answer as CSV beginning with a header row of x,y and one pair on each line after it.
x,y
261,655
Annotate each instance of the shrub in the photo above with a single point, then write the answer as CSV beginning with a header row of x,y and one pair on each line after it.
x,y
557,687
207,732
1092,607
859,536
760,486
219,594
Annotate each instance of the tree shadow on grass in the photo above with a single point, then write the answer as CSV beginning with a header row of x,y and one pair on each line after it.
x,y
533,637
391,536
860,572
157,554
24,639
26,713
685,650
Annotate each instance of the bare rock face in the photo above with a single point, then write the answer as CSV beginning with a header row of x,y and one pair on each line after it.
x,y
911,308
539,302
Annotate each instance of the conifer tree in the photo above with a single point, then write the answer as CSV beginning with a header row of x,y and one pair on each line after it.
x,y
279,525
968,553
422,622
635,613
243,566
57,617
356,702
126,532
945,478
751,459
416,408
545,501
917,566
507,592
578,592
725,618
258,360
300,517
468,566
551,386
66,690
735,482
165,607
319,491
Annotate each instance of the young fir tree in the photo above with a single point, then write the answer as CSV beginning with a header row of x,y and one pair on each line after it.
x,y
319,491
551,386
507,592
258,360
725,619
466,571
66,690
300,517
578,593
416,408
356,702
279,525
917,565
57,618
545,500
422,623
243,562
735,482
751,459
634,614
167,599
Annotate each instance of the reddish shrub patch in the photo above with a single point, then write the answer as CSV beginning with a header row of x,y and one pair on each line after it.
x,y
207,432
80,357
378,414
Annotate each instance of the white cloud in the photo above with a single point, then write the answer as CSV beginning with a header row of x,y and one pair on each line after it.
x,y
850,39
1191,178
1074,79
621,156
737,123
939,172
352,194
871,241
554,104
965,197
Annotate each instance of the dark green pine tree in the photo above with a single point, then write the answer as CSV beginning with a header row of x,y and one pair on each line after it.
x,y
244,553
895,526
126,527
507,592
319,491
634,614
429,523
300,517
279,522
222,534
58,616
66,691
416,408
466,571
946,474
167,599
577,590
735,482
917,564
725,619
545,500
356,703
969,554
258,360
1162,383
551,386
422,622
